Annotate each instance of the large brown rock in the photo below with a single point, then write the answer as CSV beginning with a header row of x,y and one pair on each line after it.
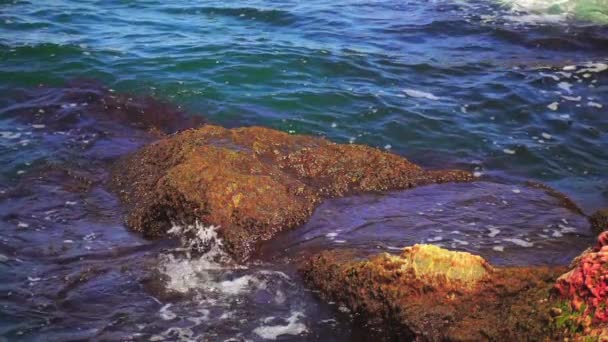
x,y
252,182
431,294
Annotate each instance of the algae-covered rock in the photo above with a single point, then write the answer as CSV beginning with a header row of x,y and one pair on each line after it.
x,y
585,291
430,293
438,266
252,182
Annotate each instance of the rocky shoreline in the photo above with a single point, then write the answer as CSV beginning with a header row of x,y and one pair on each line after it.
x,y
253,182
432,294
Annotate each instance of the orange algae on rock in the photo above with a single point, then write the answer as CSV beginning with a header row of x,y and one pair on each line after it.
x,y
252,182
431,294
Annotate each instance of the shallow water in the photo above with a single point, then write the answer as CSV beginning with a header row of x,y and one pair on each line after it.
x,y
513,90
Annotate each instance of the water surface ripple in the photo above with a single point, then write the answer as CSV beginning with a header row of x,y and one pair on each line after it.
x,y
512,89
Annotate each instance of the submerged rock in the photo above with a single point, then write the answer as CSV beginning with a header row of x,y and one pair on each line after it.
x,y
253,182
429,293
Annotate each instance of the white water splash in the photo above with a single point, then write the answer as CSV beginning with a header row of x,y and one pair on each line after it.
x,y
187,272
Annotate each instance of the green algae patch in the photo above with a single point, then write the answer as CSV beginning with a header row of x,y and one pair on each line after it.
x,y
441,266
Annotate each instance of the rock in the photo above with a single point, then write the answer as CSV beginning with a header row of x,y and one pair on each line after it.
x,y
252,182
441,267
431,294
585,291
599,221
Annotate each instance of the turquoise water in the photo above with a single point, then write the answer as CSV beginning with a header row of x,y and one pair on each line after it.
x,y
340,69
512,90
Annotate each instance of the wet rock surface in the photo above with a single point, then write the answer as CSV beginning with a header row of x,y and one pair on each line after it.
x,y
252,182
599,221
442,295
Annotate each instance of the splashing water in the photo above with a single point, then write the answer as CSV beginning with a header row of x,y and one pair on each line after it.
x,y
595,11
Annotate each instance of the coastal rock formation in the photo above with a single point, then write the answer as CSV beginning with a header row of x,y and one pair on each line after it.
x,y
429,293
599,221
252,182
585,289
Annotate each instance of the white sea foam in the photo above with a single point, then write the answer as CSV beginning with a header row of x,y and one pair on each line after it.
x,y
595,67
493,231
175,334
10,135
565,86
187,273
594,104
293,327
499,248
572,98
519,242
553,106
420,94
551,11
166,314
241,284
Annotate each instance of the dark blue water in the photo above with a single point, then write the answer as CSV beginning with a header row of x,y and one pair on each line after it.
x,y
513,90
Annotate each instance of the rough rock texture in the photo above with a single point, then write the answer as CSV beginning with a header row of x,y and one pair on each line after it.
x,y
252,182
429,293
440,267
599,221
585,289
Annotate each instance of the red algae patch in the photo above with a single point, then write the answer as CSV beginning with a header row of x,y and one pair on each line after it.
x,y
253,182
432,294
585,291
